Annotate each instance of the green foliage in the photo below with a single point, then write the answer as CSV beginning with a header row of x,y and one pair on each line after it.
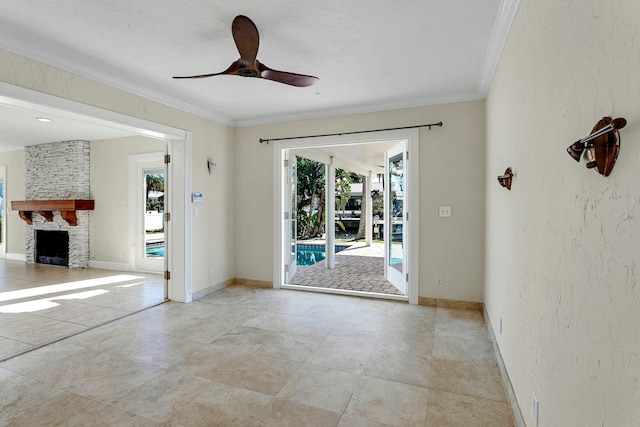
x,y
378,207
343,188
155,182
310,198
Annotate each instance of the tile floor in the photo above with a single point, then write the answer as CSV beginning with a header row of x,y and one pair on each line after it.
x,y
40,304
262,357
359,268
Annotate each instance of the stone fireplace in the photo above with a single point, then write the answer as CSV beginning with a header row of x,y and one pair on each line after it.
x,y
58,171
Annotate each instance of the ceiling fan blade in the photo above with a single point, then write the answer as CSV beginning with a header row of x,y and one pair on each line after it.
x,y
245,34
292,79
233,69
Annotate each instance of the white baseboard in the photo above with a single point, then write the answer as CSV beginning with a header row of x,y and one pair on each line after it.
x,y
15,257
109,265
211,289
506,381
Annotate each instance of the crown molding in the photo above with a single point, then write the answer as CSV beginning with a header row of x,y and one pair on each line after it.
x,y
499,35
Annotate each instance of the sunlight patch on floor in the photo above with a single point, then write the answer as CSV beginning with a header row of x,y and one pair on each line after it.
x,y
64,287
47,303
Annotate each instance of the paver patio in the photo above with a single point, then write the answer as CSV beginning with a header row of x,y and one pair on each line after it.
x,y
358,268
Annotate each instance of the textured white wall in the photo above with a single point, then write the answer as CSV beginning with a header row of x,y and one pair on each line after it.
x,y
562,247
451,173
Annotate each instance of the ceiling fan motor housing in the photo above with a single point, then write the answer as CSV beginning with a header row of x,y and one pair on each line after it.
x,y
247,72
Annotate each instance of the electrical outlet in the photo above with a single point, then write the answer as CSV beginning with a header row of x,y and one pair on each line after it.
x,y
438,282
119,253
210,271
445,211
535,409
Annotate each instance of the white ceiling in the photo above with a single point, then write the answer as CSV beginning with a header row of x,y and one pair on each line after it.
x,y
20,127
369,55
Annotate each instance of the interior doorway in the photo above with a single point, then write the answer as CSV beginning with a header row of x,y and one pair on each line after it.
x,y
370,157
177,143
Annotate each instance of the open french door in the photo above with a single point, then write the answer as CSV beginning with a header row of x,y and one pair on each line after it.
x,y
290,221
395,217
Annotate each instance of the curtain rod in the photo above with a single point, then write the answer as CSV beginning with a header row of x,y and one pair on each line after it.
x,y
351,133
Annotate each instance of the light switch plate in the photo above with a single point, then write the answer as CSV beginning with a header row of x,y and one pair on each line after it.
x,y
445,211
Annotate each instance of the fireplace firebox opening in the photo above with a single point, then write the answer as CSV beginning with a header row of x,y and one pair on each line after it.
x,y
52,247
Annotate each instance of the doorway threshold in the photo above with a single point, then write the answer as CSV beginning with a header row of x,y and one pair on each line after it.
x,y
345,292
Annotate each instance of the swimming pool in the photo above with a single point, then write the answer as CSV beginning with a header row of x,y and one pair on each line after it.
x,y
308,254
155,249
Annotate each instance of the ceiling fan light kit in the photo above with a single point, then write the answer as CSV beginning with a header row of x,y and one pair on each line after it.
x,y
247,39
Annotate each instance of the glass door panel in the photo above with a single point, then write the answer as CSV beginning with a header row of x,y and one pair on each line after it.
x,y
395,217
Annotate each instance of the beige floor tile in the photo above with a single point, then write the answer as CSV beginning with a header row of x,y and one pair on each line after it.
x,y
37,330
26,402
321,387
468,378
249,356
159,398
343,354
407,340
455,410
466,324
98,316
297,348
282,322
42,358
280,413
405,366
156,349
463,349
9,347
264,374
36,310
350,421
388,402
99,376
204,362
66,310
218,404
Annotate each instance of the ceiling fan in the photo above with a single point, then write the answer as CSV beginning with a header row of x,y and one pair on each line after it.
x,y
247,39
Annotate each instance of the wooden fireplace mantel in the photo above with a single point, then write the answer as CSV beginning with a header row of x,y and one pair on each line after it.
x,y
46,208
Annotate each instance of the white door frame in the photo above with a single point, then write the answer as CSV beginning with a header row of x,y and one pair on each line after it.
x,y
179,188
412,138
3,195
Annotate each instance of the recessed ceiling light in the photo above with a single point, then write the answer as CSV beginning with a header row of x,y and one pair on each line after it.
x,y
43,119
